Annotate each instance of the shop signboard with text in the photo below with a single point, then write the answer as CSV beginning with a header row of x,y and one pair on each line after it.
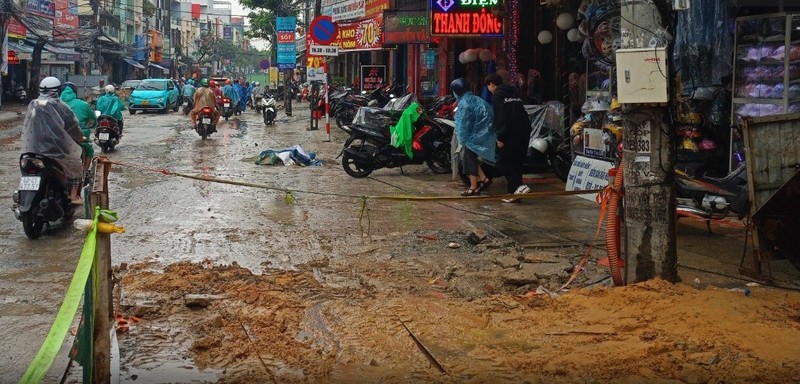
x,y
66,20
365,34
16,30
348,10
372,77
468,18
406,27
287,51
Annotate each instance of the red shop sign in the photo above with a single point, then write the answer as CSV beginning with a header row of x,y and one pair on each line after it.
x,y
466,18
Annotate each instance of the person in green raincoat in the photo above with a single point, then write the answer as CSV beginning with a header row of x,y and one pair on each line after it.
x,y
109,104
86,120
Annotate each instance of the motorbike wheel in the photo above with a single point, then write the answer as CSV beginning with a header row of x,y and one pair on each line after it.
x,y
32,224
106,148
562,161
439,160
353,168
186,111
175,107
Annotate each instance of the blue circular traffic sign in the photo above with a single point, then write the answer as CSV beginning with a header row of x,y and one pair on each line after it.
x,y
323,30
264,64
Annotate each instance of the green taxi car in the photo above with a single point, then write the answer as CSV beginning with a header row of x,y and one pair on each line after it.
x,y
154,95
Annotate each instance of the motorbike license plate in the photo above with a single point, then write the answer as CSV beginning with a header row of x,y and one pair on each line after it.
x,y
29,183
145,102
206,120
227,105
103,136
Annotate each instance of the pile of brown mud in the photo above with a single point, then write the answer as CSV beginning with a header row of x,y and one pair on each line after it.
x,y
388,322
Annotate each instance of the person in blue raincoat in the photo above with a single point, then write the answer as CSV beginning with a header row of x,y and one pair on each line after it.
x,y
475,130
230,92
248,92
110,104
240,92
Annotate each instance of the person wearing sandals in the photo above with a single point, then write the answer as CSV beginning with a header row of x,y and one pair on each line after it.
x,y
513,133
475,132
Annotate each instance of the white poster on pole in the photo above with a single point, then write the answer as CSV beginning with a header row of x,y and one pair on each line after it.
x,y
587,173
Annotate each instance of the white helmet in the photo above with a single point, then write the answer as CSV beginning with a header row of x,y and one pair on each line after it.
x,y
49,84
110,88
257,84
540,145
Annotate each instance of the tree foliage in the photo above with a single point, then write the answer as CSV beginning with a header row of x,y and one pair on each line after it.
x,y
262,21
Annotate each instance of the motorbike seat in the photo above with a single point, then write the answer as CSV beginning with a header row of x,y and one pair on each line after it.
x,y
730,178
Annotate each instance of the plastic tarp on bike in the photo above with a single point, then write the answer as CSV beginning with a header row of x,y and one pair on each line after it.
x,y
50,129
380,118
546,118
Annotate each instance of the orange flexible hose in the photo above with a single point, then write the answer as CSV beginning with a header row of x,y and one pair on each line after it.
x,y
612,227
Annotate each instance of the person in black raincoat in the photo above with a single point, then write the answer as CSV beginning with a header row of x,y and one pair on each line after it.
x,y
513,130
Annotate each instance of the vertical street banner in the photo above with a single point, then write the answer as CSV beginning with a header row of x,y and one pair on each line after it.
x,y
227,32
287,51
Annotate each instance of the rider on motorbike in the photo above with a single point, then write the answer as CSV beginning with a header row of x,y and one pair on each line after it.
x,y
52,130
258,92
110,105
189,89
204,97
86,120
230,92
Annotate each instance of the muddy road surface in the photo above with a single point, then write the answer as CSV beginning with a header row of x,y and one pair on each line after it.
x,y
310,279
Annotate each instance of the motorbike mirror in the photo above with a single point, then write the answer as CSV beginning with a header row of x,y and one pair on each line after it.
x,y
96,113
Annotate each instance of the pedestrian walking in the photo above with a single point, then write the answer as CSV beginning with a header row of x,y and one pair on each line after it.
x,y
513,131
475,132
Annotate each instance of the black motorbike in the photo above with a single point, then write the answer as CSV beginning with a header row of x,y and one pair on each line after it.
x,y
226,108
107,134
712,198
187,104
205,122
369,146
43,194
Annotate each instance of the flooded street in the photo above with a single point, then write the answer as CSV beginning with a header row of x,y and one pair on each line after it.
x,y
319,284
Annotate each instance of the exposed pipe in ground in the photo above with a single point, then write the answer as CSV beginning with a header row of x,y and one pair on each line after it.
x,y
613,228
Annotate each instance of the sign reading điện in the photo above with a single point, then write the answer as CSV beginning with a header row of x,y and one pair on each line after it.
x,y
466,18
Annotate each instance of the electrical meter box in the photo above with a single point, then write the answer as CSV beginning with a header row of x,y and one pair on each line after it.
x,y
642,75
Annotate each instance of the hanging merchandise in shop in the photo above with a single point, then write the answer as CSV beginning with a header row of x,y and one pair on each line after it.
x,y
467,18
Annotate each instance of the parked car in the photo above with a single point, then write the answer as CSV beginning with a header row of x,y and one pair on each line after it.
x,y
154,95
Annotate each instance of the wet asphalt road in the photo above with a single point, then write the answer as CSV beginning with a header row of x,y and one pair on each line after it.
x,y
171,219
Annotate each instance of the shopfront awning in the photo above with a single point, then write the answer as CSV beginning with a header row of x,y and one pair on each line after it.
x,y
158,66
24,52
63,54
133,63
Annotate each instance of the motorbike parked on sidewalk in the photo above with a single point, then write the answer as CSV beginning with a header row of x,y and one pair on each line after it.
x,y
712,198
369,146
205,122
107,134
269,109
187,104
549,147
226,108
43,194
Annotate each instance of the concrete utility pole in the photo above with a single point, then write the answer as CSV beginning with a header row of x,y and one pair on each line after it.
x,y
650,247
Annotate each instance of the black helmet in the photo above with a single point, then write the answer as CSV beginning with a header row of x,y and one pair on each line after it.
x,y
71,86
458,86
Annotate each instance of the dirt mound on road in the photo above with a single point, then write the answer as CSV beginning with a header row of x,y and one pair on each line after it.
x,y
331,324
